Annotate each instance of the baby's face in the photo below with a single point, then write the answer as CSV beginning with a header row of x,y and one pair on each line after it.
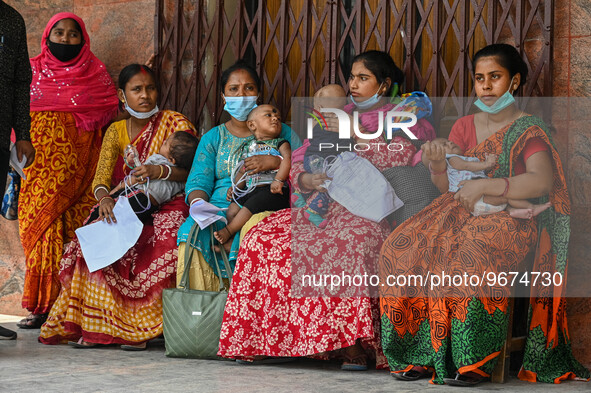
x,y
165,148
449,146
266,123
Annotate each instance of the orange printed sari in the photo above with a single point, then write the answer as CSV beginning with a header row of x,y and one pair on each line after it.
x,y
461,328
54,200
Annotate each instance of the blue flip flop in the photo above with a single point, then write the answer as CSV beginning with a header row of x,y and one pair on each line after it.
x,y
354,364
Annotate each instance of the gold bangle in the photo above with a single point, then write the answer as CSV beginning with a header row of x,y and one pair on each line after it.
x,y
100,202
161,171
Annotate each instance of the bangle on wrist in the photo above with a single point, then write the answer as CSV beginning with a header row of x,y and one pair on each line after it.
x,y
168,173
161,171
99,188
279,180
436,173
105,197
195,200
506,187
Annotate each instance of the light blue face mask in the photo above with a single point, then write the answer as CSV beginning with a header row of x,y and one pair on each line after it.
x,y
139,115
371,101
240,107
504,101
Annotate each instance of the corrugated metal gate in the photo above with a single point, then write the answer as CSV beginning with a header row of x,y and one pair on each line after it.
x,y
299,46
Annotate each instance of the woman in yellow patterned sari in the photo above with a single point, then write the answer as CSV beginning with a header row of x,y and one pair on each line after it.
x,y
122,303
72,97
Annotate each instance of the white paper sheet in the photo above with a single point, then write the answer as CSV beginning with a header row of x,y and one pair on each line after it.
x,y
14,162
103,244
205,214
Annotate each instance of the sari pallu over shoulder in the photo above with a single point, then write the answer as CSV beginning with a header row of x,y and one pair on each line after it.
x,y
548,355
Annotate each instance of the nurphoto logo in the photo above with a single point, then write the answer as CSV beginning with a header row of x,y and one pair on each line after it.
x,y
395,120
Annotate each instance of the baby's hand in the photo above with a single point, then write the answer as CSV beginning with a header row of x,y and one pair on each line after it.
x,y
490,160
229,194
276,187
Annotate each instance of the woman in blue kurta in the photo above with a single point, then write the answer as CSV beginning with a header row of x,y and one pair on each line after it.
x,y
218,152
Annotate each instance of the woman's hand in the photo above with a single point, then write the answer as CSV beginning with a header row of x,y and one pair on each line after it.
x,y
256,164
25,148
143,172
309,181
106,206
433,152
470,192
333,124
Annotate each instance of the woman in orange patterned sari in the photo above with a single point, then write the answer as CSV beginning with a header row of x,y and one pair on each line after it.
x,y
72,97
122,303
454,331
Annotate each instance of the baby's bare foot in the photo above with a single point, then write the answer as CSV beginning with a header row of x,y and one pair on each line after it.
x,y
222,235
525,214
537,209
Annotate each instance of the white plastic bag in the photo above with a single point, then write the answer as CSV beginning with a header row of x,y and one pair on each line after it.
x,y
361,188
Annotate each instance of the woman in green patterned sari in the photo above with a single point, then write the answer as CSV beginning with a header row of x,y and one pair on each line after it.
x,y
454,332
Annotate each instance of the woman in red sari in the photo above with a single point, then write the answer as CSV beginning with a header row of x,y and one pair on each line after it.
x,y
268,312
72,97
122,303
454,333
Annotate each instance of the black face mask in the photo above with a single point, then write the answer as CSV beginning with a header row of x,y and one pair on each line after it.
x,y
64,52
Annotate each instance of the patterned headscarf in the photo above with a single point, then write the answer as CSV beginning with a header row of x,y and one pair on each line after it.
x,y
81,86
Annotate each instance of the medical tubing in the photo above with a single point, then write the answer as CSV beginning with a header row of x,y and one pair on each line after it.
x,y
236,191
129,189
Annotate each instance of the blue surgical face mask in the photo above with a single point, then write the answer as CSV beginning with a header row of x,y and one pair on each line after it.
x,y
504,101
240,107
371,101
139,115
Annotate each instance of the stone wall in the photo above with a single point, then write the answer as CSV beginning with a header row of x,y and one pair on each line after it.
x,y
572,78
121,31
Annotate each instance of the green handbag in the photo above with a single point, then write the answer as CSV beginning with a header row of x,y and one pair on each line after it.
x,y
192,319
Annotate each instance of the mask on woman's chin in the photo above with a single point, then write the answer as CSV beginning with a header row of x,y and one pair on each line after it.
x,y
64,52
139,115
504,101
240,107
371,101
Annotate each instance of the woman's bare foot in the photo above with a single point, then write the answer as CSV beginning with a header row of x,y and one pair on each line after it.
x,y
134,347
525,214
355,358
537,209
81,344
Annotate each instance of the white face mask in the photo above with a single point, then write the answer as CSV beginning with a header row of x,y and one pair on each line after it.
x,y
139,115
